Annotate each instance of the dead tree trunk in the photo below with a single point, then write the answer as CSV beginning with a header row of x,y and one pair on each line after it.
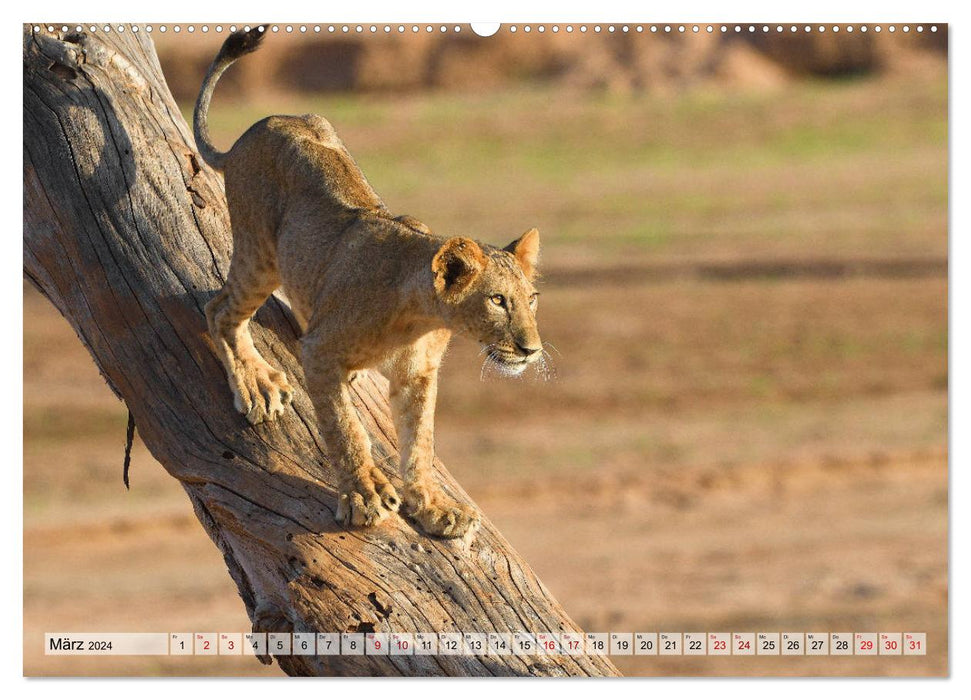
x,y
127,233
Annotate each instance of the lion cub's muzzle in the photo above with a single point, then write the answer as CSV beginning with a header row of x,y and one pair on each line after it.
x,y
529,353
516,358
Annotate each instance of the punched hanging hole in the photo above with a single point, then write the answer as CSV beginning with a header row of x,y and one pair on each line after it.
x,y
485,28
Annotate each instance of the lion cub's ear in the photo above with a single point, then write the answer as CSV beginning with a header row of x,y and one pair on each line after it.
x,y
456,265
526,250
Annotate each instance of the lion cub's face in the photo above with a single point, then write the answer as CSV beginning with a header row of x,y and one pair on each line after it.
x,y
489,295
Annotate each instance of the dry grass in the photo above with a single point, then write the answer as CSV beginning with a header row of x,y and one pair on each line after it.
x,y
852,168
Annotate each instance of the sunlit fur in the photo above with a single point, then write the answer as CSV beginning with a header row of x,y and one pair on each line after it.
x,y
371,290
497,302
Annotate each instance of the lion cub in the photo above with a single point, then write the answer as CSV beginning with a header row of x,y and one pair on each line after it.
x,y
371,290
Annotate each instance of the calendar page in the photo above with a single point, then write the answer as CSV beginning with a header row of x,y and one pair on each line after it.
x,y
692,279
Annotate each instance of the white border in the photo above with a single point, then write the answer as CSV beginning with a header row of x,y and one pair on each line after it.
x,y
602,11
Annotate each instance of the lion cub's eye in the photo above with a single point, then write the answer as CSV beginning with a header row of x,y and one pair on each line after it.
x,y
498,299
533,298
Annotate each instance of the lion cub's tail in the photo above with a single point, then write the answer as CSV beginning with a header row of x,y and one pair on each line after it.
x,y
237,45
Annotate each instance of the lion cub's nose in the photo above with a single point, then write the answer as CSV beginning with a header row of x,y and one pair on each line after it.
x,y
527,351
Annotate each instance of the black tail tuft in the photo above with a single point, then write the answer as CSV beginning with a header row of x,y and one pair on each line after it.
x,y
238,44
242,42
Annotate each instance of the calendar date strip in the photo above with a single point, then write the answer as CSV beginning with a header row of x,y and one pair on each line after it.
x,y
487,644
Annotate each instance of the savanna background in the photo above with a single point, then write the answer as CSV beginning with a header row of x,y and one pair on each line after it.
x,y
745,277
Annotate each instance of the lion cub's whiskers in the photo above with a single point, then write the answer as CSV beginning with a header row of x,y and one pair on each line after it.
x,y
545,369
493,365
488,361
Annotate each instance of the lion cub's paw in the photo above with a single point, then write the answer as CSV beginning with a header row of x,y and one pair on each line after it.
x,y
262,393
444,517
367,501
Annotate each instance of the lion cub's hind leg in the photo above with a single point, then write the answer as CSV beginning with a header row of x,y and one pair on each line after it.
x,y
261,392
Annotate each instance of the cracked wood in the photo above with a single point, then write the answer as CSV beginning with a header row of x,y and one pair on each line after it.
x,y
128,235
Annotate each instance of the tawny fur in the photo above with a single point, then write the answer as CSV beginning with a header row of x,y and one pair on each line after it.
x,y
370,289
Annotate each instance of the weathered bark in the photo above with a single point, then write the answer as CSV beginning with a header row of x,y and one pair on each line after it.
x,y
127,233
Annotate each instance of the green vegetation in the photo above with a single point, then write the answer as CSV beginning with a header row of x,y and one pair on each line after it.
x,y
821,167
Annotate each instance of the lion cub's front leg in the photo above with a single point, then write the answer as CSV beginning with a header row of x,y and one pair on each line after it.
x,y
414,387
365,497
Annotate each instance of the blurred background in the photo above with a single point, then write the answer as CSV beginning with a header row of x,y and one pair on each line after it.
x,y
745,277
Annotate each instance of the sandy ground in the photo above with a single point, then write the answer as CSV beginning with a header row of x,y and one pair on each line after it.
x,y
805,548
839,540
